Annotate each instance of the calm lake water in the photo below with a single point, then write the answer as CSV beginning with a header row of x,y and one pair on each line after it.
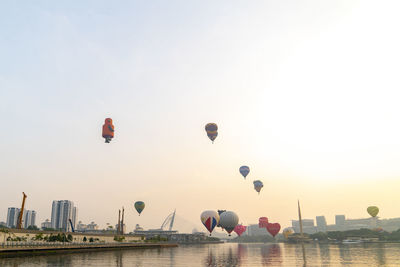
x,y
229,254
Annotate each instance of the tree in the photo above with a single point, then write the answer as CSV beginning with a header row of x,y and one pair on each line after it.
x,y
48,229
38,237
32,227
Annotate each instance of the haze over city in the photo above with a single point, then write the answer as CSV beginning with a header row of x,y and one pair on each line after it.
x,y
305,94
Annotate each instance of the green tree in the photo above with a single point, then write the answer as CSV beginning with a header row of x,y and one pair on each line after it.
x,y
38,237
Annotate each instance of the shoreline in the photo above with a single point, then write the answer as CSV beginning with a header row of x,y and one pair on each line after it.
x,y
46,250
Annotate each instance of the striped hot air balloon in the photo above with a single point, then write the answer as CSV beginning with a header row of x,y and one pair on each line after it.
x,y
210,219
212,131
373,210
258,185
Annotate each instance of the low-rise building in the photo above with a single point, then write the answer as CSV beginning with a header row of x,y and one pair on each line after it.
x,y
46,224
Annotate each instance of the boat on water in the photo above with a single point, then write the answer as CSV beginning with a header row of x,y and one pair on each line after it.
x,y
351,241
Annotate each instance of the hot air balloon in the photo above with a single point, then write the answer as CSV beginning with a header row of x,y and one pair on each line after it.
x,y
228,220
108,130
262,222
212,135
373,210
212,131
240,229
273,228
258,185
139,206
219,213
244,170
287,232
211,127
210,219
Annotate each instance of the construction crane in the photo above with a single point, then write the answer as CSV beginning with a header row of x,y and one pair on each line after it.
x,y
72,226
122,221
21,213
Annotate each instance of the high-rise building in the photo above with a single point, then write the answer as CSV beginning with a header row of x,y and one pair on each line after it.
x,y
308,226
62,212
321,223
340,220
255,230
12,217
29,218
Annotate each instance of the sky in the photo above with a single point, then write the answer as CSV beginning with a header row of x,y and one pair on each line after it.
x,y
304,92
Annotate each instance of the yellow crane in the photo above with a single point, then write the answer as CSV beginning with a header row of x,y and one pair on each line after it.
x,y
21,213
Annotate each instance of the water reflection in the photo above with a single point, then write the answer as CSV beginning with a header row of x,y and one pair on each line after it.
x,y
380,253
242,251
232,258
344,252
325,253
223,255
64,260
118,257
271,254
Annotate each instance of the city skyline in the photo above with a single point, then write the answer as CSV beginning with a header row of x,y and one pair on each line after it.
x,y
305,94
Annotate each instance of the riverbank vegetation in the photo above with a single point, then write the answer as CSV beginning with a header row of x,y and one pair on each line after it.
x,y
361,233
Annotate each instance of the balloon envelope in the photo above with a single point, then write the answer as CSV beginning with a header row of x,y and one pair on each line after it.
x,y
258,185
210,219
108,130
262,222
211,127
139,206
240,229
273,228
228,220
244,170
287,232
373,211
212,135
219,213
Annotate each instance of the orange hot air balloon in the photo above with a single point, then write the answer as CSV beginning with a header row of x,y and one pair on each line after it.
x,y
108,130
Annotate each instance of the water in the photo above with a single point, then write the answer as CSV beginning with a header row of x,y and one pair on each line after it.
x,y
228,255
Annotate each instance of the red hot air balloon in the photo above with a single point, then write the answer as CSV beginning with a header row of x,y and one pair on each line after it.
x,y
263,222
273,228
240,229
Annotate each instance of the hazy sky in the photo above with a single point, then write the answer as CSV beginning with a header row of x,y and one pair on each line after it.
x,y
306,93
